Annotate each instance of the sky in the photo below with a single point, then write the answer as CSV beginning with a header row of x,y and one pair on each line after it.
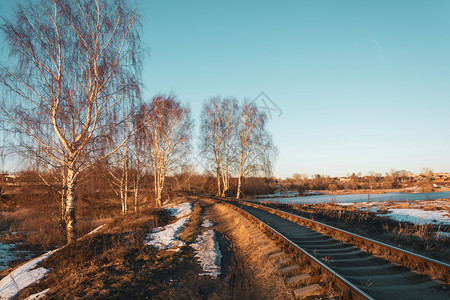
x,y
354,86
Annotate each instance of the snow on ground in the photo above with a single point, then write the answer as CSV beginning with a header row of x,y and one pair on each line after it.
x,y
418,216
207,223
208,253
23,276
416,212
180,210
345,204
40,295
95,230
167,236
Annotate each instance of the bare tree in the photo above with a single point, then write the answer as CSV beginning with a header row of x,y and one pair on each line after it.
x,y
254,145
137,159
372,181
119,162
218,132
167,128
75,60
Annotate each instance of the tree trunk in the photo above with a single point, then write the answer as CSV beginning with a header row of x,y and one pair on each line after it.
x,y
158,198
62,220
158,202
125,187
159,186
219,192
225,185
225,181
71,223
136,194
137,183
238,194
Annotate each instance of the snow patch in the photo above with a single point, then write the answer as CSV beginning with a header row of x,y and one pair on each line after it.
x,y
208,253
180,210
418,216
95,230
23,276
207,223
167,236
38,296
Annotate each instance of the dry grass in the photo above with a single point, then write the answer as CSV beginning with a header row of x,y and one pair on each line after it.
x,y
193,228
101,265
37,229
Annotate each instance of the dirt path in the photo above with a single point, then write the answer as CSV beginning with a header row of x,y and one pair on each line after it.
x,y
246,271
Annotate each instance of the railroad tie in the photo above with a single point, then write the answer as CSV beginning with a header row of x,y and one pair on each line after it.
x,y
289,269
350,268
268,246
310,290
255,233
281,262
258,234
271,250
277,255
294,280
335,253
350,260
263,241
260,237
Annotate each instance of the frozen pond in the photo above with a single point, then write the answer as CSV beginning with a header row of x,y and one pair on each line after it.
x,y
360,198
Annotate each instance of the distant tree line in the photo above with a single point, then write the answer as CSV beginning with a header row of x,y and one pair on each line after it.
x,y
372,181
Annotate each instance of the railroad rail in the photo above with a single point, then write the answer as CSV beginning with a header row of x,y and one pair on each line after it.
x,y
353,261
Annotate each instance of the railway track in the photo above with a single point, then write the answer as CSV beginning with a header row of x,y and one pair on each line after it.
x,y
345,257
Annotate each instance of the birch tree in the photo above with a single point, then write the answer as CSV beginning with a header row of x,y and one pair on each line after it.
x,y
218,131
119,162
167,128
73,61
255,148
137,160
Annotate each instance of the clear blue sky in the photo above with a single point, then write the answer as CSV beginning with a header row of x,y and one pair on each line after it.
x,y
363,85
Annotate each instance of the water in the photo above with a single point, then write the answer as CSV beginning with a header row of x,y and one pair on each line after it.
x,y
6,255
352,198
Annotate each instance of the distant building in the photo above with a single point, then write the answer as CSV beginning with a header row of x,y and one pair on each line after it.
x,y
8,179
442,176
